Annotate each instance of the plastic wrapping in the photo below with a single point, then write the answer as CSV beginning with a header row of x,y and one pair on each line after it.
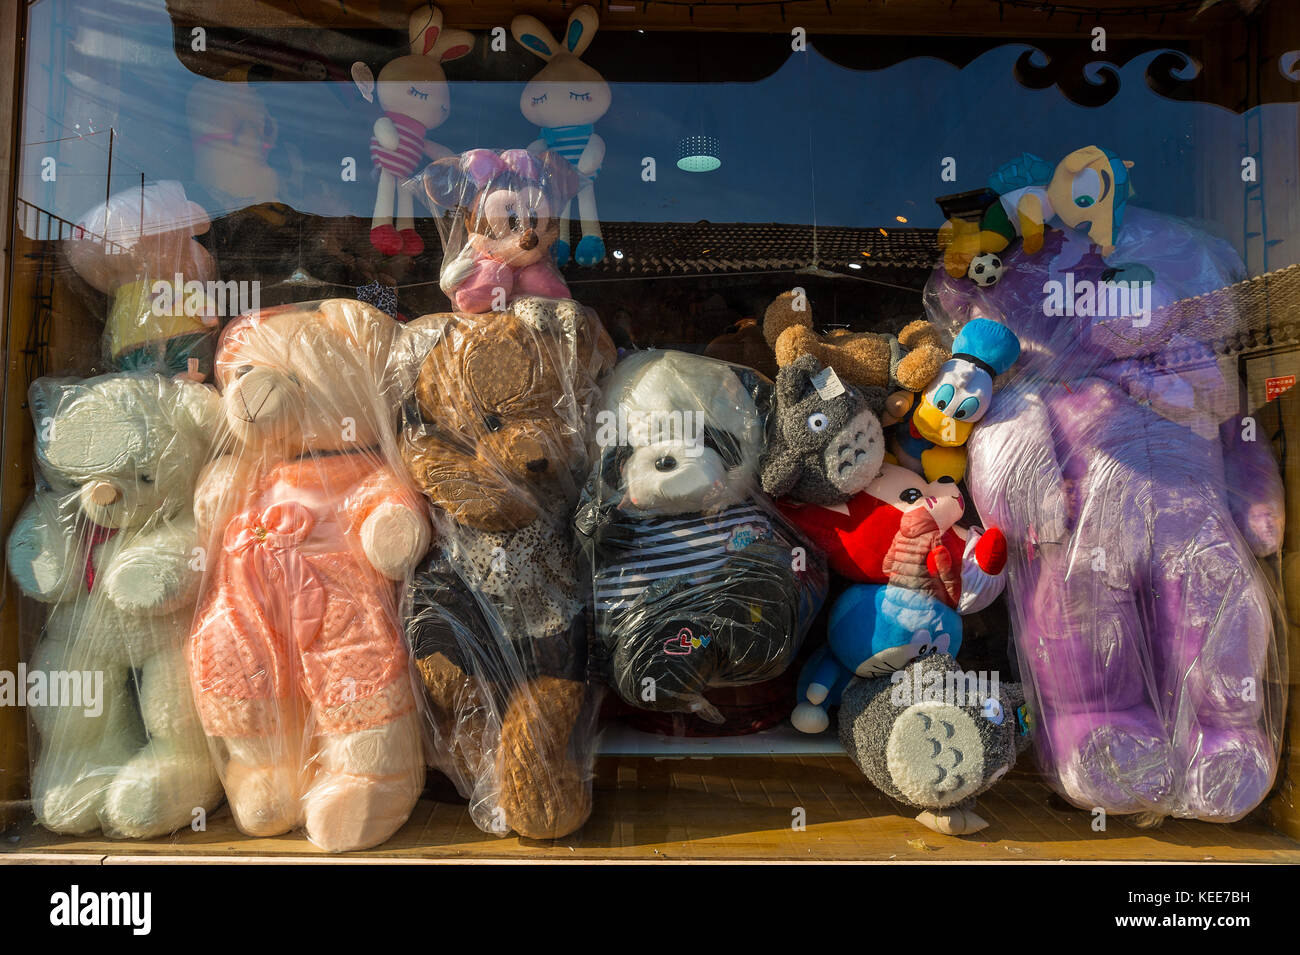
x,y
697,580
495,437
504,222
164,300
1136,497
108,545
309,526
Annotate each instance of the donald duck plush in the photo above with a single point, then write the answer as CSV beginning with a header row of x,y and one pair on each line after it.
x,y
932,437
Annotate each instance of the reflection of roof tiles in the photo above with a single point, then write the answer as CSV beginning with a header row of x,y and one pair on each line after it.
x,y
1266,309
686,248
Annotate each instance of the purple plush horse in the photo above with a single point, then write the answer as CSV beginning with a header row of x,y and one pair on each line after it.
x,y
1136,499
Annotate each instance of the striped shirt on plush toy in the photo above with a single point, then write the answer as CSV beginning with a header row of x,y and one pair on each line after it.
x,y
403,160
569,141
695,547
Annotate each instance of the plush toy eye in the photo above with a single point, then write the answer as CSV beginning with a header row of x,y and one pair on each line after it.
x,y
1085,188
924,650
539,100
492,422
146,479
993,711
910,496
666,463
243,370
943,397
512,221
818,422
967,408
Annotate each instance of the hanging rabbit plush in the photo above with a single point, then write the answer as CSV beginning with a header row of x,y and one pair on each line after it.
x,y
414,94
563,100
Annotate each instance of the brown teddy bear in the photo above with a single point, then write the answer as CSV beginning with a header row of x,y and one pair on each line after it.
x,y
902,365
743,344
496,437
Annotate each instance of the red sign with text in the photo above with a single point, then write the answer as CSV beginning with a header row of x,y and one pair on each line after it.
x,y
1273,387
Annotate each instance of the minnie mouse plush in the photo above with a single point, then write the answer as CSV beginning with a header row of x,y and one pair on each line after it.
x,y
506,205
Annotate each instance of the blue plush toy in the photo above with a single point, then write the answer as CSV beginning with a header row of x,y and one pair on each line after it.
x,y
932,437
873,630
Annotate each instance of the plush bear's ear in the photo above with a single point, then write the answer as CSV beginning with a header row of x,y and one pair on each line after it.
x,y
795,379
612,462
44,398
783,314
446,184
758,387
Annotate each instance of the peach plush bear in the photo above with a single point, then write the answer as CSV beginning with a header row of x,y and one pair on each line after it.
x,y
299,664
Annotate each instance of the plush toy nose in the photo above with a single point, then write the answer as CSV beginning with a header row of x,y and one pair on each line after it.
x,y
101,493
537,465
528,240
258,396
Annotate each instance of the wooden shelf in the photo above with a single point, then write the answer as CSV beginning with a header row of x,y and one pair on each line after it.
x,y
736,808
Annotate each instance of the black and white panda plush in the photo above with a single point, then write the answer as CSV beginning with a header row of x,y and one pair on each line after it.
x,y
697,581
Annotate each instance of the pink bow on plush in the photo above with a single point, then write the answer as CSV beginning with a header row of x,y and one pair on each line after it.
x,y
482,165
264,553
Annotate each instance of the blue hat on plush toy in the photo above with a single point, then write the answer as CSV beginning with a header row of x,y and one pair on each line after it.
x,y
985,342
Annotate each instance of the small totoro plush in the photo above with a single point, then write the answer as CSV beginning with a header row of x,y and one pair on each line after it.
x,y
826,443
935,737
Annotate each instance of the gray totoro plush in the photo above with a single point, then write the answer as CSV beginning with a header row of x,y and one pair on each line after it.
x,y
934,736
826,442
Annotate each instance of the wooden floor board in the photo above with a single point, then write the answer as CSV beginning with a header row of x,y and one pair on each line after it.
x,y
738,808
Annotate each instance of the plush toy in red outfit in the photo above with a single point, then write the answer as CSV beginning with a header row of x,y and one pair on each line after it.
x,y
857,536
297,657
914,572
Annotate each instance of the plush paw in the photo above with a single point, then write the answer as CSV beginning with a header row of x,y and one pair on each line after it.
x,y
982,577
560,252
548,806
810,719
952,822
1122,768
140,582
263,799
817,694
344,813
590,250
393,538
72,809
1229,773
158,792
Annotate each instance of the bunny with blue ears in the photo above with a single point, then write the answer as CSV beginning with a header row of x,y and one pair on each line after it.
x,y
564,100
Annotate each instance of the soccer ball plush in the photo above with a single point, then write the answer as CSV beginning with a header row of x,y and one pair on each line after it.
x,y
985,269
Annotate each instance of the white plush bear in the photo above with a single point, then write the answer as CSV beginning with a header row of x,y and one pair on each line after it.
x,y
109,544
